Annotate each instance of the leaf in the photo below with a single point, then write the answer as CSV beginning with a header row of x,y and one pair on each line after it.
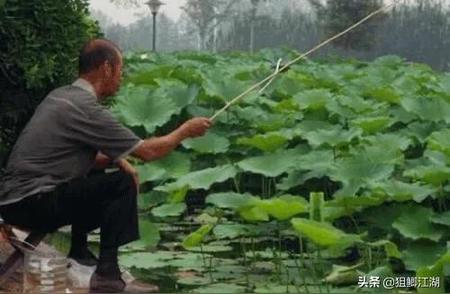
x,y
428,109
441,218
232,231
313,99
372,125
149,235
180,93
142,260
283,207
149,173
178,196
150,199
270,165
209,143
231,200
202,179
435,272
422,253
415,224
332,137
440,141
140,107
221,288
344,275
268,142
400,191
323,234
434,175
253,214
172,209
196,238
390,248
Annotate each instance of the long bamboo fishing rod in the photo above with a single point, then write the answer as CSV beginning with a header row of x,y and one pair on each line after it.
x,y
270,78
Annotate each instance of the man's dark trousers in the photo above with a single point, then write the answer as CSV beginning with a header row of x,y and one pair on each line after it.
x,y
105,200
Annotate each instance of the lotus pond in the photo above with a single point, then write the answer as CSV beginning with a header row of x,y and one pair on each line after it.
x,y
338,169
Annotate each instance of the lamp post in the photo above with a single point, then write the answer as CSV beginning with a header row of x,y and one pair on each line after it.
x,y
252,24
154,8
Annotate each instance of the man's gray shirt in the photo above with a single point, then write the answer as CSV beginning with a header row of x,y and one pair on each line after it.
x,y
60,142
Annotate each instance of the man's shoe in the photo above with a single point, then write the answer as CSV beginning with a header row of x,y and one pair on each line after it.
x,y
126,284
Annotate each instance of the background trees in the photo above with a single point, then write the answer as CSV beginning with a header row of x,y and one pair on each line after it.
x,y
39,45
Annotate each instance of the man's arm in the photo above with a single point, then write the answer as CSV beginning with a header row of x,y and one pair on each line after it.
x,y
157,147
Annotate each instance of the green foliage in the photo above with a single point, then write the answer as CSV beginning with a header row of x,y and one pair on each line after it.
x,y
40,43
348,133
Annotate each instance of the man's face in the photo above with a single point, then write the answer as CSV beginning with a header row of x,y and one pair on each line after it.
x,y
113,78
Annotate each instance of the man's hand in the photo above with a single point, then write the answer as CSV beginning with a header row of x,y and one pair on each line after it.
x,y
127,168
195,127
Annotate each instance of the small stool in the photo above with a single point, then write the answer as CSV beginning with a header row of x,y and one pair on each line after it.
x,y
15,260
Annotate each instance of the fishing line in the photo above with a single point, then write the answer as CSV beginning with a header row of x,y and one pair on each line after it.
x,y
270,78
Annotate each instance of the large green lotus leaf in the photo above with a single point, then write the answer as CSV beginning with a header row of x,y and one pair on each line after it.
x,y
271,165
357,203
372,125
385,94
142,260
173,165
176,164
441,218
332,137
289,84
323,234
401,115
428,109
197,237
420,130
149,235
150,74
284,207
422,253
400,191
142,108
231,200
268,142
372,164
314,164
306,126
393,140
313,99
148,173
209,143
440,141
231,231
415,224
151,199
221,288
180,93
253,214
435,175
436,158
356,103
202,179
170,209
436,272
224,87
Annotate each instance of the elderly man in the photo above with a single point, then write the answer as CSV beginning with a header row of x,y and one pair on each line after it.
x,y
48,183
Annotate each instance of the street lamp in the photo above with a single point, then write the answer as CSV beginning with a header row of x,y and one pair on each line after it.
x,y
252,24
154,8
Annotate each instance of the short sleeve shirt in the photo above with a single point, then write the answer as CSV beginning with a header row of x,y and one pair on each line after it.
x,y
61,141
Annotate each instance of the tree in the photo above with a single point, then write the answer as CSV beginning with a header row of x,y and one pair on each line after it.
x,y
40,43
207,15
336,16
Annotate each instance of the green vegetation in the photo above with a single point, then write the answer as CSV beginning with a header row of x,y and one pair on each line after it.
x,y
337,170
40,42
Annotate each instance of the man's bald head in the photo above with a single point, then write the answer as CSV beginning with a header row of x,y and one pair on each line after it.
x,y
95,53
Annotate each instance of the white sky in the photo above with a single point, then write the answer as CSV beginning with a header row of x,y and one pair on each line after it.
x,y
126,16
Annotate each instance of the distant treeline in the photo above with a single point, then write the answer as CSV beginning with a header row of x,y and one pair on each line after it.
x,y
418,30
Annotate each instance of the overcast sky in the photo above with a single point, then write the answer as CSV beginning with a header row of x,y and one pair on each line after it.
x,y
129,15
126,16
